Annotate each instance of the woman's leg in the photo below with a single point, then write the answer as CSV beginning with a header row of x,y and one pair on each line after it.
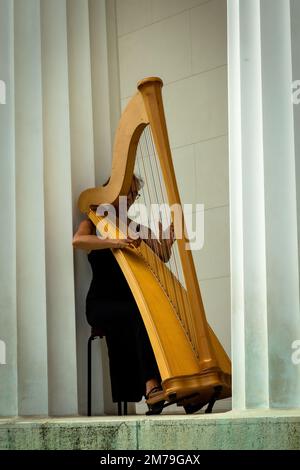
x,y
127,340
146,357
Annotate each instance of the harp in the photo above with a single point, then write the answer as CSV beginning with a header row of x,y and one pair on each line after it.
x,y
194,367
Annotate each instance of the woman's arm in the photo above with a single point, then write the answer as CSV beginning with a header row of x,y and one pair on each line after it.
x,y
86,239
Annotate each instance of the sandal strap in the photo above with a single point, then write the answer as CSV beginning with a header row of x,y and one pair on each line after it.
x,y
157,388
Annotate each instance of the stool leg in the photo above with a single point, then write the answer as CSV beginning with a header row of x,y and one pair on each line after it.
x,y
125,408
89,384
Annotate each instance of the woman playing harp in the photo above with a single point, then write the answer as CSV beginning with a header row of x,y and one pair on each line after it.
x,y
194,368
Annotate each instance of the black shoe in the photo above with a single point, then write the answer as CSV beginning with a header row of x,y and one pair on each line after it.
x,y
156,408
155,401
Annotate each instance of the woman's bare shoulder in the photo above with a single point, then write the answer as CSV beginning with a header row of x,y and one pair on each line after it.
x,y
86,227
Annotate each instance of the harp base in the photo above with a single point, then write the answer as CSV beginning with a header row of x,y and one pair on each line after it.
x,y
203,384
191,403
193,392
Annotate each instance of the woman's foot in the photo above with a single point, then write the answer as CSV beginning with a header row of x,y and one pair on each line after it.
x,y
156,408
155,397
152,385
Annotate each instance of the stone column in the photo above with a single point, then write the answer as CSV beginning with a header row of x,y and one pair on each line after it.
x,y
82,164
264,245
30,215
61,332
295,35
8,314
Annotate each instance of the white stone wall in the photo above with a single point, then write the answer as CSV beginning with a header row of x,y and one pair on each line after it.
x,y
184,43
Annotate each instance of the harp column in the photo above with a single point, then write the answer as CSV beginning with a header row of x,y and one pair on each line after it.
x,y
263,202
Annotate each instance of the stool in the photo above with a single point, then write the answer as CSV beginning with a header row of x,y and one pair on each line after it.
x,y
98,333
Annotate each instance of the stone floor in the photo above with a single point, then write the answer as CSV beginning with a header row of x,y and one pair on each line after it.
x,y
259,429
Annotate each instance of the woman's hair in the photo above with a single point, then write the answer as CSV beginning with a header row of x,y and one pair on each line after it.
x,y
137,181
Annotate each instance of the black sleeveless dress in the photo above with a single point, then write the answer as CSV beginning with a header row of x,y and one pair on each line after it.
x,y
110,305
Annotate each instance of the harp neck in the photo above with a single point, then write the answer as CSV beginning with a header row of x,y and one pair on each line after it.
x,y
137,114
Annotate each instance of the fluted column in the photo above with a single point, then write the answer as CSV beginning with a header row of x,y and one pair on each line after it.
x,y
8,316
61,332
82,163
295,36
54,66
100,88
30,216
264,248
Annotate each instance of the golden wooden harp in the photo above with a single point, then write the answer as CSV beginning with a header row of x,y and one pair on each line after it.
x,y
194,367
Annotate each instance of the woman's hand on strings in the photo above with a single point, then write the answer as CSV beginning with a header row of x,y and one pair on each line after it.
x,y
126,242
167,237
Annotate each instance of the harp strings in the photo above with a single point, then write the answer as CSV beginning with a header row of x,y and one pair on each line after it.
x,y
174,262
158,196
147,197
153,191
150,196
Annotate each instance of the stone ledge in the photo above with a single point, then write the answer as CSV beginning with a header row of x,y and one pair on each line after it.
x,y
258,429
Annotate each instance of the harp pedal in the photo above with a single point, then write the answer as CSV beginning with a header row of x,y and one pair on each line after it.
x,y
196,406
